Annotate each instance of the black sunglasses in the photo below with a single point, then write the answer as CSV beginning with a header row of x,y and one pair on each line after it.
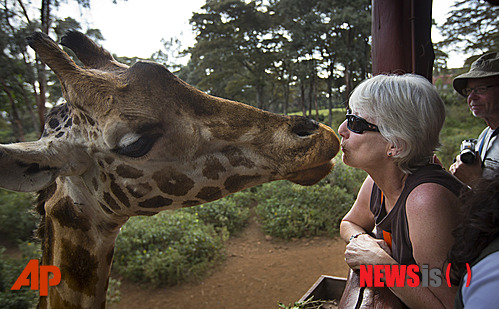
x,y
358,124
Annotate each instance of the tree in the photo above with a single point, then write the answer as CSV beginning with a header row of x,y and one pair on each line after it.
x,y
23,80
16,74
232,53
301,27
280,52
331,41
345,46
472,27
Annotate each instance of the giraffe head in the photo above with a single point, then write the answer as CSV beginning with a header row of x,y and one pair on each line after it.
x,y
142,140
134,141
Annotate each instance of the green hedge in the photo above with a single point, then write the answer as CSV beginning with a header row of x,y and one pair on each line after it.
x,y
166,249
18,220
459,125
230,213
288,210
10,269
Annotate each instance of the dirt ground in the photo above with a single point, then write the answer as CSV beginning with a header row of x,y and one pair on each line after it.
x,y
258,274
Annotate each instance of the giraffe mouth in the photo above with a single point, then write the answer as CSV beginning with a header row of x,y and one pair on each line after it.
x,y
310,176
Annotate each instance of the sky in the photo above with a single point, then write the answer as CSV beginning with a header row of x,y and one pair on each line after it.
x,y
136,27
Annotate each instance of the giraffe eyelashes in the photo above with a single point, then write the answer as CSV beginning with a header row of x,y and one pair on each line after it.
x,y
140,147
128,139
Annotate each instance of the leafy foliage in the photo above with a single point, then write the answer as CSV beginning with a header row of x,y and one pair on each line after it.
x,y
10,269
459,125
230,213
291,211
17,219
113,291
267,53
345,177
166,249
472,26
310,304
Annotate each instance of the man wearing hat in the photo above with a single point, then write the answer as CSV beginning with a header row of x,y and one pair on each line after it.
x,y
481,87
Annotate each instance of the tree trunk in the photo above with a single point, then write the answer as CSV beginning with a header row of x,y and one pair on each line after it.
x,y
302,99
31,112
348,82
330,100
310,96
315,102
286,97
42,78
259,95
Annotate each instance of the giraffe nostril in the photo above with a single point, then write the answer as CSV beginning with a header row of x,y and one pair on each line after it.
x,y
305,127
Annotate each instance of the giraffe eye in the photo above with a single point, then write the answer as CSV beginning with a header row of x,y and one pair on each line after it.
x,y
138,148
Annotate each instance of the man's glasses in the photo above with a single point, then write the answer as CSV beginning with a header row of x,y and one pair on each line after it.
x,y
478,90
358,124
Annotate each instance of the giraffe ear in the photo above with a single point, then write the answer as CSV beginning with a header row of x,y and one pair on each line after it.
x,y
32,166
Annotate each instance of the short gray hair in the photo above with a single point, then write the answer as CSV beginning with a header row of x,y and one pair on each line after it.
x,y
409,113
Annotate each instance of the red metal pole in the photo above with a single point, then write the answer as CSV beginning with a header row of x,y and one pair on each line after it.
x,y
401,37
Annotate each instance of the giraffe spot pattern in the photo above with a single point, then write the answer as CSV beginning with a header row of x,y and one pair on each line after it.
x,y
213,168
156,202
224,131
57,301
104,207
127,171
145,213
238,182
139,190
57,120
79,268
48,239
107,227
103,177
191,203
116,189
87,119
65,214
95,184
76,120
53,123
209,194
110,201
172,182
237,158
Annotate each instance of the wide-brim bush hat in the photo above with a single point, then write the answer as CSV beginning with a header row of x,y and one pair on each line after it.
x,y
485,66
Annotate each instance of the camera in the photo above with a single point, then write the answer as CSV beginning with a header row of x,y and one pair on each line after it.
x,y
467,151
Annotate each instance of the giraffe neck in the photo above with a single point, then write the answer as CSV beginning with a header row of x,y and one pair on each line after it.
x,y
78,237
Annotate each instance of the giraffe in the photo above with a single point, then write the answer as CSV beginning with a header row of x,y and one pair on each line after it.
x,y
134,141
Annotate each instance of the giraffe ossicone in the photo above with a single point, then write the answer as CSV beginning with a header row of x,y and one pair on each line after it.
x,y
135,141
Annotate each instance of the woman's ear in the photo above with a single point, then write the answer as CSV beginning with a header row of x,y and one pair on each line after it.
x,y
393,151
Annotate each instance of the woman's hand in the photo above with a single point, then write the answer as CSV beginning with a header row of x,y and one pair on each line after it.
x,y
366,250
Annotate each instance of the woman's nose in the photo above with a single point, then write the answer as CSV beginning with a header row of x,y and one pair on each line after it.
x,y
342,129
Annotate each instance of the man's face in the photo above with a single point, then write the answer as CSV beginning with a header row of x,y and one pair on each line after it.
x,y
484,105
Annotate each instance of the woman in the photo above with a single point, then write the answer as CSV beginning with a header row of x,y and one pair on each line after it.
x,y
477,243
391,132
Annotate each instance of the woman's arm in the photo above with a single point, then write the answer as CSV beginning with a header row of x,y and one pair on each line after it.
x,y
358,222
432,215
360,218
